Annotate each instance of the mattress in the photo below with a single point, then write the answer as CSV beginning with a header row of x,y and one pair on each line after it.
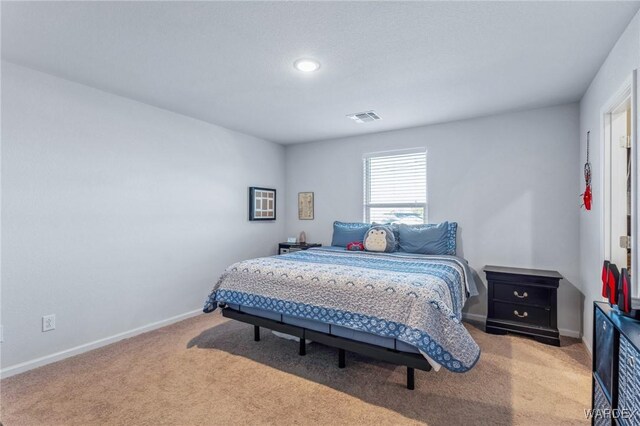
x,y
335,330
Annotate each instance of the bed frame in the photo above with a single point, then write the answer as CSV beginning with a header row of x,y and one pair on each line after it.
x,y
410,360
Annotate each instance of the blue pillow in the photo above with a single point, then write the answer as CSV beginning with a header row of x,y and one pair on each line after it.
x,y
452,230
451,242
345,233
438,239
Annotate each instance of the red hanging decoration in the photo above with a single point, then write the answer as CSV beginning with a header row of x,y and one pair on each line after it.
x,y
586,195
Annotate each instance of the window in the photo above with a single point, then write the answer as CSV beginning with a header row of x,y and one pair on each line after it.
x,y
395,187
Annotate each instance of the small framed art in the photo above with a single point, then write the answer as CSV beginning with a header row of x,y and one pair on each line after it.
x,y
262,203
305,205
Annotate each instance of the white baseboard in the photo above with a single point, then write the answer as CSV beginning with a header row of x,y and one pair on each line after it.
x,y
48,359
587,345
483,318
474,317
570,333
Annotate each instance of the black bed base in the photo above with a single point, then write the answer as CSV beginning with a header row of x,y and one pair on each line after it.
x,y
410,360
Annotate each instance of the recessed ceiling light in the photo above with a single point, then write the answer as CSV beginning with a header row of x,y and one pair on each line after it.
x,y
306,65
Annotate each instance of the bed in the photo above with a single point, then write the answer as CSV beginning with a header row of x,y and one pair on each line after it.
x,y
397,307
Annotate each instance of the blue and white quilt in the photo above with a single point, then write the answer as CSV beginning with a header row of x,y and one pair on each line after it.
x,y
416,299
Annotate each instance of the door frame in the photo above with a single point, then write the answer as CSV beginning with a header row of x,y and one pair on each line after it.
x,y
628,90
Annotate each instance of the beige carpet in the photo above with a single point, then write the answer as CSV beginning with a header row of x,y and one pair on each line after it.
x,y
207,370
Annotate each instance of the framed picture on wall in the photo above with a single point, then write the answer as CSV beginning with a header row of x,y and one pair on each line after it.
x,y
262,203
305,205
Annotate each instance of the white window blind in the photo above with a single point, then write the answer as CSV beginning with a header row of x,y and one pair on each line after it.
x,y
395,187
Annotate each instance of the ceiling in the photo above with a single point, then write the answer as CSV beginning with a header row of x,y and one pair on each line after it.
x,y
231,63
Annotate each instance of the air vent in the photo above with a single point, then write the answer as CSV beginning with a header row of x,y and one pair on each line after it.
x,y
364,117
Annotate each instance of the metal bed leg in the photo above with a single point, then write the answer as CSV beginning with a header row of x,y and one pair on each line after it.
x,y
303,346
411,381
341,358
256,333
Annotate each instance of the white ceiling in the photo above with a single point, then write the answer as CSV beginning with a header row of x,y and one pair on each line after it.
x,y
230,63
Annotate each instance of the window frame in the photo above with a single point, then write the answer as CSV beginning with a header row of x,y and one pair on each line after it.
x,y
367,206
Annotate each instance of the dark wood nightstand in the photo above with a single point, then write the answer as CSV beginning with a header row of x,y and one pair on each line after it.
x,y
523,301
284,248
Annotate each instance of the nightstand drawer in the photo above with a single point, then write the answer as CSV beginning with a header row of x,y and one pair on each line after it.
x,y
521,294
521,313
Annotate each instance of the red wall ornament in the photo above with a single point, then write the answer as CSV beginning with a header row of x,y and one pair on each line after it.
x,y
586,195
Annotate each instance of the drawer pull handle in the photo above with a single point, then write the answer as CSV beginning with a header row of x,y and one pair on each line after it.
x,y
631,361
524,315
604,325
516,294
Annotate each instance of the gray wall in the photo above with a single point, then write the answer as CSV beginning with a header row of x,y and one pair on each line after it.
x,y
117,215
622,60
508,180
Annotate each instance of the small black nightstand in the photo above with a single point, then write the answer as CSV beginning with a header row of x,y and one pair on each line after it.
x,y
523,301
284,248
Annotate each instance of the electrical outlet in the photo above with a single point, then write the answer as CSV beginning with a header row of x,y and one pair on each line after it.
x,y
48,322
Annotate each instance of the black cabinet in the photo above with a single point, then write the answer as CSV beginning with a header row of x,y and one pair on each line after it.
x,y
284,248
616,367
523,301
